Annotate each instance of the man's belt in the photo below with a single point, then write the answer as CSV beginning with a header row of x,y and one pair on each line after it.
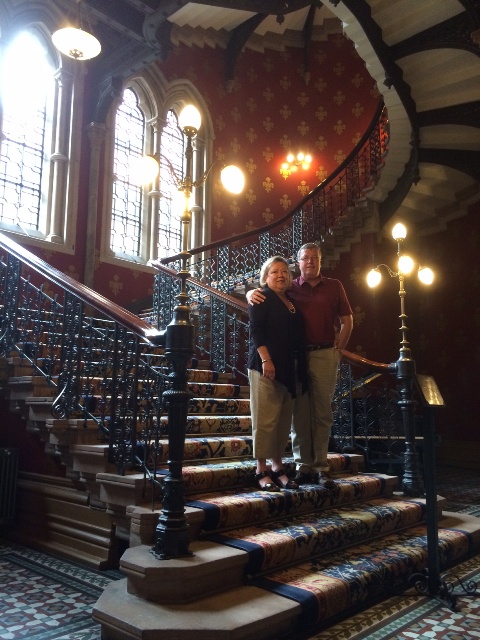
x,y
323,345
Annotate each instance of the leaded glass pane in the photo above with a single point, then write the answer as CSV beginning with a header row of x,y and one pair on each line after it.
x,y
127,202
169,227
23,130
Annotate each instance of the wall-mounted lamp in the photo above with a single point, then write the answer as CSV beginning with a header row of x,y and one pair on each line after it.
x,y
294,162
76,40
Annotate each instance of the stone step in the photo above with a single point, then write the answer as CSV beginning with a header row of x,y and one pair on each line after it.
x,y
204,477
218,390
162,600
276,545
233,509
223,406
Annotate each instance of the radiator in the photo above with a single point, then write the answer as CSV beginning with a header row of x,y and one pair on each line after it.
x,y
8,484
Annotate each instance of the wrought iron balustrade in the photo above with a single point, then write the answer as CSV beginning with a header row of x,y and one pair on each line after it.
x,y
367,416
102,369
103,363
335,204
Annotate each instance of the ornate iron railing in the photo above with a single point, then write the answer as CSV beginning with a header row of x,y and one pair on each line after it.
x,y
106,363
102,362
332,206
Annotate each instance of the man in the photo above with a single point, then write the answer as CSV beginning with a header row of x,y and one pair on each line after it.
x,y
324,304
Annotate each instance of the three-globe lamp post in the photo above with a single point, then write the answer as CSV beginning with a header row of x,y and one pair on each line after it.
x,y
404,367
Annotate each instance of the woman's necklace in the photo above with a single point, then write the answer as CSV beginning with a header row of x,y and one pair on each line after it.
x,y
287,303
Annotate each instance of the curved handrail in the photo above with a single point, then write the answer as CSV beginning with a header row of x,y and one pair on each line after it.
x,y
90,297
329,181
354,358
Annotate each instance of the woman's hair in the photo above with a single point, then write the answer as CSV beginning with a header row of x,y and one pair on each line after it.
x,y
266,268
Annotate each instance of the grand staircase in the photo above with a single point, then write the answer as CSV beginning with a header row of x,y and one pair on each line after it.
x,y
266,565
260,565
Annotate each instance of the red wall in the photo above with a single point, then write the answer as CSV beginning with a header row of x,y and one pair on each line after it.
x,y
269,103
270,111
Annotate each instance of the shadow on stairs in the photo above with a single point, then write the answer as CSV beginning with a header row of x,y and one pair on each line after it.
x,y
262,565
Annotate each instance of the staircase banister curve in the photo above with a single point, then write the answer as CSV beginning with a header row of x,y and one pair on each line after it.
x,y
100,303
371,365
288,216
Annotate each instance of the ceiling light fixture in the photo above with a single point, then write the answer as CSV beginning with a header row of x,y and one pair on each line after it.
x,y
76,40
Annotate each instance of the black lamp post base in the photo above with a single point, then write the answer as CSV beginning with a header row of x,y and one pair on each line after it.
x,y
444,588
171,543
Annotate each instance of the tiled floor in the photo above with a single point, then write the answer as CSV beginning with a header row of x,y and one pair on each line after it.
x,y
45,598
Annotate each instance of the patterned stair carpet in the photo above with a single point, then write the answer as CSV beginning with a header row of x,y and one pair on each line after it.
x,y
238,472
411,616
43,597
237,509
276,543
361,574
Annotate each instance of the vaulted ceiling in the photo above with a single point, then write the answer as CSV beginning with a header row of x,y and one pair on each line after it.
x,y
424,56
136,32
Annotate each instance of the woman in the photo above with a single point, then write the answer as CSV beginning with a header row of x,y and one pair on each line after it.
x,y
276,359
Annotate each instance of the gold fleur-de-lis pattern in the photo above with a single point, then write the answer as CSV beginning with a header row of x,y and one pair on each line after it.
x,y
269,110
270,106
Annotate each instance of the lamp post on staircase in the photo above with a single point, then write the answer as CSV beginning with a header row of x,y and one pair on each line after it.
x,y
430,581
172,536
404,367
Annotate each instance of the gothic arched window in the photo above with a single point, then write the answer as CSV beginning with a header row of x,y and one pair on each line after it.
x,y
36,179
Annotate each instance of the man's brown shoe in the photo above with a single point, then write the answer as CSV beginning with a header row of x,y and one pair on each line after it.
x,y
304,478
324,479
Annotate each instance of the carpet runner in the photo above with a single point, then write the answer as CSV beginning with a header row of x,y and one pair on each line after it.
x,y
230,509
361,574
280,543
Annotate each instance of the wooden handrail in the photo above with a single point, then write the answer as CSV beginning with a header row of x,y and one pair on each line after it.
x,y
354,358
231,301
90,297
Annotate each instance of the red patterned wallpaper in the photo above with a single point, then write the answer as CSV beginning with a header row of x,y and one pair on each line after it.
x,y
270,111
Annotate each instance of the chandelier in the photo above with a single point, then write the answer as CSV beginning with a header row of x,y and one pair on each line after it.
x,y
76,40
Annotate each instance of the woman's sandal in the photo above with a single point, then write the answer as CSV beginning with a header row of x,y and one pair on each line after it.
x,y
290,484
268,486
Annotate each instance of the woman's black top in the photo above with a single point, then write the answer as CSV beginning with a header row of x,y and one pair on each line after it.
x,y
281,331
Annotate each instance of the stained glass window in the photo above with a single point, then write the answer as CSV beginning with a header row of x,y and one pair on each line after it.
x,y
127,201
24,129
